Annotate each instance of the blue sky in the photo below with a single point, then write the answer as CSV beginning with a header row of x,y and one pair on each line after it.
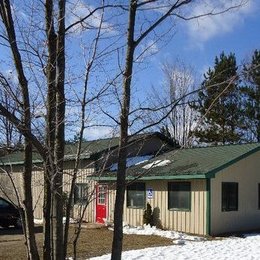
x,y
197,42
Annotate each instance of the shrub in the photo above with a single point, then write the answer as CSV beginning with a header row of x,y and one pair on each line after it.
x,y
148,215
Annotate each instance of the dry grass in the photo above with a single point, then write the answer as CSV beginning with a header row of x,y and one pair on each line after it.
x,y
93,242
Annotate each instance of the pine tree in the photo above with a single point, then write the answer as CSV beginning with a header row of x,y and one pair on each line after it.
x,y
251,93
219,103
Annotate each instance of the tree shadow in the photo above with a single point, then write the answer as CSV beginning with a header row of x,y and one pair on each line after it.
x,y
156,218
18,231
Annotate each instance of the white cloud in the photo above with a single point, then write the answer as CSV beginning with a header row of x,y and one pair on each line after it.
x,y
147,50
77,9
205,28
98,132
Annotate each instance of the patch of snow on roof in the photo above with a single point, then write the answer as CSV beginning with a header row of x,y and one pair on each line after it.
x,y
132,161
157,163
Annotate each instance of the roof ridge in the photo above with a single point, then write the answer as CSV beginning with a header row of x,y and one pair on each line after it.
x,y
217,146
114,137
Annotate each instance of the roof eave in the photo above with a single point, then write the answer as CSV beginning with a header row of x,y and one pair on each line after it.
x,y
148,178
212,173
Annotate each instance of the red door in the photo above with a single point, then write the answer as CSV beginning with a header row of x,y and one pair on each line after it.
x,y
101,203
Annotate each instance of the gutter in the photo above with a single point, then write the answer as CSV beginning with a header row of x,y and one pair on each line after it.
x,y
148,178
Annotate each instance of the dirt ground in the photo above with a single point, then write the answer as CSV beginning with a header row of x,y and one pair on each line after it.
x,y
93,242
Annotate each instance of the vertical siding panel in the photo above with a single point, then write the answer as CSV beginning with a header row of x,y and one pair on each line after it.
x,y
163,209
193,208
38,193
183,226
179,217
174,225
193,221
111,204
164,202
200,228
187,223
165,216
203,208
197,203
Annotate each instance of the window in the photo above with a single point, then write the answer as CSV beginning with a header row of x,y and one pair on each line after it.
x,y
102,192
80,193
4,204
179,196
136,195
229,196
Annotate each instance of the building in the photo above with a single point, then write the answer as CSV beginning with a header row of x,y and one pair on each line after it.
x,y
205,191
95,158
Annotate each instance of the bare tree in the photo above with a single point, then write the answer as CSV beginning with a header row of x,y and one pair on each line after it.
x,y
53,156
135,36
10,138
41,63
179,83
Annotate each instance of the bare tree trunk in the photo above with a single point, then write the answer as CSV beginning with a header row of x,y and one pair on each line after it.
x,y
121,174
59,137
47,213
50,128
5,11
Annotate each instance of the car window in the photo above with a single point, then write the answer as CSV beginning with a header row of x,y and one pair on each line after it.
x,y
4,204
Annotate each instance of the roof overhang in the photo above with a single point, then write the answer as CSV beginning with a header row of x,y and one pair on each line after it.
x,y
150,178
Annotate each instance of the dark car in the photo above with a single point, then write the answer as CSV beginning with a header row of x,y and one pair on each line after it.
x,y
9,214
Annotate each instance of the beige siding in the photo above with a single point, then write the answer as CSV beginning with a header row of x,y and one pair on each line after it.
x,y
111,202
78,210
7,187
193,221
247,173
38,193
38,189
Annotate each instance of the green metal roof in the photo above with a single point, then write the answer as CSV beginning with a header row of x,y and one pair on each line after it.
x,y
89,149
202,162
17,158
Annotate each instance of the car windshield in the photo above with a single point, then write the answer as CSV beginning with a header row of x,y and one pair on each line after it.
x,y
4,204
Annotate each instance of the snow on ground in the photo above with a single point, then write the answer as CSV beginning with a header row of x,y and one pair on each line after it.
x,y
193,248
40,221
148,230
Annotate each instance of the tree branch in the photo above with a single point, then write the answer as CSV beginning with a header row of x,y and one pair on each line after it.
x,y
24,131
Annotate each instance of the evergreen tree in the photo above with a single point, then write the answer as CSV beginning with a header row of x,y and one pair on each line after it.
x,y
219,103
251,93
